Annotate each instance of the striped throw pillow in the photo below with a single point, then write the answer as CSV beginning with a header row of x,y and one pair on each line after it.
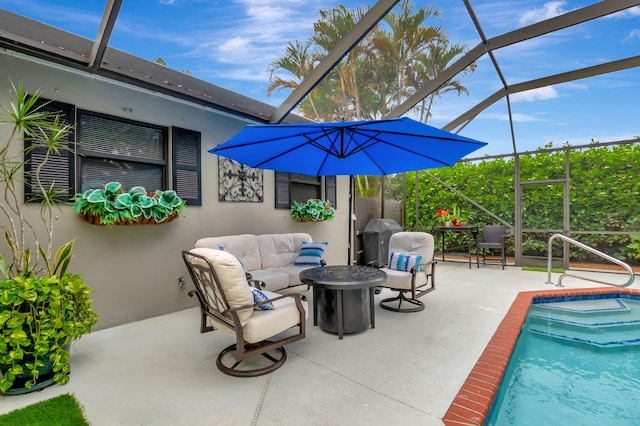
x,y
310,254
404,261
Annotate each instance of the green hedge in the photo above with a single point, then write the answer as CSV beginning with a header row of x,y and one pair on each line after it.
x,y
604,185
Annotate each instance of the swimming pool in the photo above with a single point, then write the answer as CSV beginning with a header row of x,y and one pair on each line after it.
x,y
473,401
576,362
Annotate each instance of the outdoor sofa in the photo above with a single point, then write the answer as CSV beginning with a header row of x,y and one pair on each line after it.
x,y
274,259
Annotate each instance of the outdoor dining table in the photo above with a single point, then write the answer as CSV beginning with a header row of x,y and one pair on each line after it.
x,y
471,231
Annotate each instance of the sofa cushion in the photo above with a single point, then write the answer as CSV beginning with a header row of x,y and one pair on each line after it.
x,y
244,268
280,249
273,278
292,272
245,246
232,278
310,254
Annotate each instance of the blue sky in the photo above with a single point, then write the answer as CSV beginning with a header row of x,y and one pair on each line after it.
x,y
231,43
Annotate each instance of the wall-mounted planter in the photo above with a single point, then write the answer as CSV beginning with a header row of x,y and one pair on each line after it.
x,y
95,220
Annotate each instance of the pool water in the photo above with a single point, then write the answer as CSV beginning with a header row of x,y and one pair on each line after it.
x,y
574,363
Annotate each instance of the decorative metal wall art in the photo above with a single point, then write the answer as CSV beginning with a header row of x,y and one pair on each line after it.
x,y
237,182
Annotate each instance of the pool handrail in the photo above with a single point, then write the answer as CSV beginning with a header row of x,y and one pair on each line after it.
x,y
594,251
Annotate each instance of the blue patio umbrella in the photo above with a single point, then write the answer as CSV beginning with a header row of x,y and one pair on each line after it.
x,y
373,147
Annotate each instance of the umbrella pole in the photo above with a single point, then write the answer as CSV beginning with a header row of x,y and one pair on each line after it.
x,y
350,220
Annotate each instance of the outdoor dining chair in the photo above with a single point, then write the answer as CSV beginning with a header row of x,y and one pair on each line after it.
x,y
492,238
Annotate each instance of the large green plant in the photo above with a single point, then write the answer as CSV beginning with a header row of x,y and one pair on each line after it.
x,y
112,205
42,306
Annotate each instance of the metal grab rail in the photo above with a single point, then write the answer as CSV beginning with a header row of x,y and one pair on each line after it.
x,y
594,251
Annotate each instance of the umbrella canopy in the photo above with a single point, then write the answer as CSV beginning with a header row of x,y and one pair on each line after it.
x,y
375,147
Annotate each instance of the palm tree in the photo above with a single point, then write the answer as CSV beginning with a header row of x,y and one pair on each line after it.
x,y
299,62
428,65
332,26
399,46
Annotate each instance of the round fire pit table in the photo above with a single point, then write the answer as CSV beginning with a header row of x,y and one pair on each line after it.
x,y
343,297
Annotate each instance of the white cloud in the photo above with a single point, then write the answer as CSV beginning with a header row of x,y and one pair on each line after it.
x,y
549,10
516,116
632,12
634,34
234,49
539,94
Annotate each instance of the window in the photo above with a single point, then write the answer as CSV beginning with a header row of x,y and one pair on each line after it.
x,y
292,187
115,149
110,148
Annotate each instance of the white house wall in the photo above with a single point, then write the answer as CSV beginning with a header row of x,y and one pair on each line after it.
x,y
134,270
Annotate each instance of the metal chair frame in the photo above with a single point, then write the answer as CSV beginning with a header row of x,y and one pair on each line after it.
x,y
415,292
214,305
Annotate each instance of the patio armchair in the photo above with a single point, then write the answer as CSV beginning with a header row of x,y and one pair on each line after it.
x,y
492,238
229,303
410,271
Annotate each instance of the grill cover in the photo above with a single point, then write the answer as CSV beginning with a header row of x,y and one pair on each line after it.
x,y
375,240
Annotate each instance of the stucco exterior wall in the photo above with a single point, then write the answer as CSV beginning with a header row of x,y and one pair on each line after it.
x,y
134,270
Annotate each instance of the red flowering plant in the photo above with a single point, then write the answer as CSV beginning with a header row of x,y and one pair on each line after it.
x,y
455,217
443,215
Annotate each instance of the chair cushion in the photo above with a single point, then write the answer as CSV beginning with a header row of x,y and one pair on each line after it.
x,y
401,280
232,278
404,261
310,254
259,296
266,324
244,268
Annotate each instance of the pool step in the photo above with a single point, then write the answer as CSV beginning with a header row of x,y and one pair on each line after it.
x,y
605,323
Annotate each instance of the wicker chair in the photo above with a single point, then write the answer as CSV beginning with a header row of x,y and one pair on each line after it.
x,y
493,239
227,303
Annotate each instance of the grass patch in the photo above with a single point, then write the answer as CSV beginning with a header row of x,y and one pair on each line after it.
x,y
63,410
542,269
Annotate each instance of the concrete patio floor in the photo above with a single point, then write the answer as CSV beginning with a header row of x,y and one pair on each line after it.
x,y
407,370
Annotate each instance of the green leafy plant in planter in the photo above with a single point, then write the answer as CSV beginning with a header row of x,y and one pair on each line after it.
x,y
313,210
43,308
111,206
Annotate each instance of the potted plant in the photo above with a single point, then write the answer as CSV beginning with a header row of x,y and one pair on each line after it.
x,y
444,217
111,206
313,210
457,216
43,308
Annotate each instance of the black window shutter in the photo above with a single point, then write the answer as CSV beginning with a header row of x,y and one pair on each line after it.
x,y
59,168
187,180
330,190
283,190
